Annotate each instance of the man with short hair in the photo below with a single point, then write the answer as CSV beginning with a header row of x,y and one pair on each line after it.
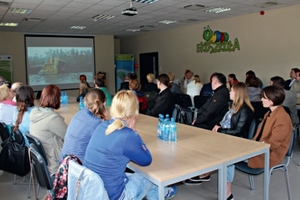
x,y
289,83
212,112
290,100
14,88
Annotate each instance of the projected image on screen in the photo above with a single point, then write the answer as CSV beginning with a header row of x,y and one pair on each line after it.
x,y
60,65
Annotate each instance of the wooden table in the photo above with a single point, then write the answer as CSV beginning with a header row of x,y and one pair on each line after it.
x,y
197,151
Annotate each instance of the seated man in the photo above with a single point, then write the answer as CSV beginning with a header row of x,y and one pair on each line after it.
x,y
293,75
215,108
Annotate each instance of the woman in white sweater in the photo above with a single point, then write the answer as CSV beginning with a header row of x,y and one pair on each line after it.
x,y
194,87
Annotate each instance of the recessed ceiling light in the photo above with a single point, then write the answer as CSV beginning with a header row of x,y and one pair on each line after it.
x,y
193,7
146,1
20,10
78,27
167,22
133,30
103,17
9,24
217,10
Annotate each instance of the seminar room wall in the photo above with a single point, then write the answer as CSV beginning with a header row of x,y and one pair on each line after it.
x,y
12,43
269,45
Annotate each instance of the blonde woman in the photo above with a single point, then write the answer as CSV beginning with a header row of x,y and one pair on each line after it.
x,y
83,124
194,87
235,122
7,106
114,144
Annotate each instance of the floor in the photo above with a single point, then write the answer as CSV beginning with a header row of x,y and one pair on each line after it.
x,y
205,191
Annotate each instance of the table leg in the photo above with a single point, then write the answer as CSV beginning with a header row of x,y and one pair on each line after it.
x,y
161,195
266,175
222,176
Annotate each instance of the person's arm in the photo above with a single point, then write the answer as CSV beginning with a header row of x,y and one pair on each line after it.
x,y
58,126
211,108
242,122
136,150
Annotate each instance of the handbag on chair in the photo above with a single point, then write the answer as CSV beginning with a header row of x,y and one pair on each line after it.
x,y
14,157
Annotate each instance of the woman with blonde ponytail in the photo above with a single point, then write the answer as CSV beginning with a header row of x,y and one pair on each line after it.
x,y
83,124
114,144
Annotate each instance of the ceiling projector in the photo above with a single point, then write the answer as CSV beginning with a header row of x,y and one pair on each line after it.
x,y
130,11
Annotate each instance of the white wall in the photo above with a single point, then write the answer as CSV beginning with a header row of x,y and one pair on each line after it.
x,y
269,46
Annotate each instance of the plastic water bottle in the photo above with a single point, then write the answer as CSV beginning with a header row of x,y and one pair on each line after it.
x,y
66,98
81,104
166,128
161,128
173,130
168,117
160,119
62,94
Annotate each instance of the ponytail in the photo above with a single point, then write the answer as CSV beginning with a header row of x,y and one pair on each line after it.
x,y
116,125
98,109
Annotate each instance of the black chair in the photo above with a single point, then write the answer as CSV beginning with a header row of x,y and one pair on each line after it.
x,y
252,129
40,149
40,169
199,101
243,167
185,110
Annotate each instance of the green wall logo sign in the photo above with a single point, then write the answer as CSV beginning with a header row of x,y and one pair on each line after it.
x,y
216,42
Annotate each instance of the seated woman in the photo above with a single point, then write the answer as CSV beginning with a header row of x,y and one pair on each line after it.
x,y
275,129
83,86
235,122
194,87
165,101
49,126
7,106
150,86
135,86
125,85
174,87
99,83
84,123
232,80
113,145
253,88
25,103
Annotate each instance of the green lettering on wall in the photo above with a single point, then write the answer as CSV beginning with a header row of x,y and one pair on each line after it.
x,y
218,46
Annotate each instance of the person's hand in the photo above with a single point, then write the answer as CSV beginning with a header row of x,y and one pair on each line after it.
x,y
194,121
131,123
215,129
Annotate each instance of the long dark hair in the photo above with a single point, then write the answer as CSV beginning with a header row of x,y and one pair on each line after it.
x,y
25,99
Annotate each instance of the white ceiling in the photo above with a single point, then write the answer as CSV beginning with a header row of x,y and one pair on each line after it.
x,y
59,15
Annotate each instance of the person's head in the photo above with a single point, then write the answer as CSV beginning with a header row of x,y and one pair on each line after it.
x,y
135,85
197,79
95,102
293,73
132,76
150,77
277,81
25,99
50,97
297,76
250,73
231,78
2,79
252,81
5,93
82,78
99,82
240,96
272,96
171,76
188,74
124,107
218,79
15,86
163,81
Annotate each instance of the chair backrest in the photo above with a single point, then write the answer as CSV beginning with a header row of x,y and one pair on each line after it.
x,y
252,129
184,100
4,133
90,184
38,144
19,138
151,98
40,168
199,101
290,149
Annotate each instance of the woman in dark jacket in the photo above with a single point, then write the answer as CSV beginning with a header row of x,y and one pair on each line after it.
x,y
165,101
